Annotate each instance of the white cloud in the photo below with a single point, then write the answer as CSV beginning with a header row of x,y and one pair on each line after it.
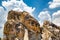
x,y
54,4
44,15
2,15
56,14
41,23
57,21
17,9
17,5
12,5
56,18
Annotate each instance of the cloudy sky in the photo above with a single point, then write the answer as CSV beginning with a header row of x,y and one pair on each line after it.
x,y
39,9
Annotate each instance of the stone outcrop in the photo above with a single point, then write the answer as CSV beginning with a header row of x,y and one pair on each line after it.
x,y
16,24
50,31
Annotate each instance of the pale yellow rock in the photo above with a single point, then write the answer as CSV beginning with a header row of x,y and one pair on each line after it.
x,y
26,35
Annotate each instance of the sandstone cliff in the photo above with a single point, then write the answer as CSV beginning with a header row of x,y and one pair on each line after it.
x,y
20,22
16,24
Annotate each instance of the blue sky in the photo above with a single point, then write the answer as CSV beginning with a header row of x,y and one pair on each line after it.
x,y
38,4
39,9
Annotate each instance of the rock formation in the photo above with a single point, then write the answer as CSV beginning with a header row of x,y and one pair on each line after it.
x,y
16,24
50,31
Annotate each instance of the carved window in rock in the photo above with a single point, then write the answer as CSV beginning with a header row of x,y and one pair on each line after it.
x,y
14,16
32,23
8,27
17,16
19,27
11,16
27,17
37,24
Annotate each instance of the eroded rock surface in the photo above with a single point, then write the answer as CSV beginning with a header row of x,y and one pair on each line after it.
x,y
20,22
50,31
16,24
